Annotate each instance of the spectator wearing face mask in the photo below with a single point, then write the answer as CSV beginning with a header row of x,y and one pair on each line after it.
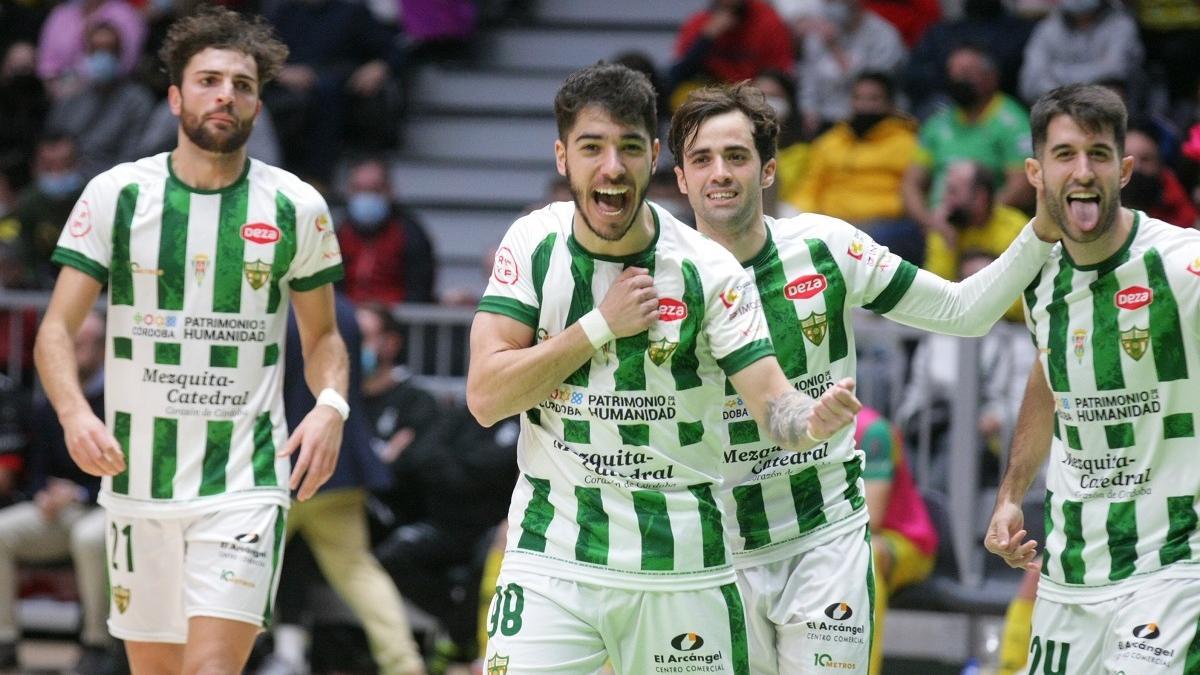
x,y
45,205
106,108
842,42
1153,187
855,169
61,47
386,254
983,125
1081,41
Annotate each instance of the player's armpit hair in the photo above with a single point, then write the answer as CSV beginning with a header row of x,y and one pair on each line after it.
x,y
787,418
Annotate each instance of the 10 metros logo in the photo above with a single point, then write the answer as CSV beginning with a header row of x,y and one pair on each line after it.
x,y
689,655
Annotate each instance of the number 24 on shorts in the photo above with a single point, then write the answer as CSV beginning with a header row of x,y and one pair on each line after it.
x,y
505,613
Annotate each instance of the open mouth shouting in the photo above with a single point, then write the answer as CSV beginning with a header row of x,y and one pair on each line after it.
x,y
612,201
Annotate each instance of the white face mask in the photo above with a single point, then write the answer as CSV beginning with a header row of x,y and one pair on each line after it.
x,y
780,105
1079,6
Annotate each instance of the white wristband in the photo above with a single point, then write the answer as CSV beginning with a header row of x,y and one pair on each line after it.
x,y
334,400
596,328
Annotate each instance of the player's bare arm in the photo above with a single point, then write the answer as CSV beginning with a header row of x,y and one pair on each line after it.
x,y
791,418
90,443
510,374
1030,447
326,366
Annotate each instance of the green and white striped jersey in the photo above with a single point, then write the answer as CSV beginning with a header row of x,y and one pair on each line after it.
x,y
197,310
1119,344
811,273
620,465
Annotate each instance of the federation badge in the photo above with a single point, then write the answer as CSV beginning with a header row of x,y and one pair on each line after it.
x,y
661,350
497,665
855,250
258,273
814,327
1134,341
199,267
1079,338
121,598
322,223
729,296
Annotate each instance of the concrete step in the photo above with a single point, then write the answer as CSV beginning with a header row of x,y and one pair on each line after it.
x,y
480,91
559,50
502,186
668,14
487,139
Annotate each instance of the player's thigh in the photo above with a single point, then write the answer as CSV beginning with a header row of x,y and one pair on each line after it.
x,y
1068,638
824,612
232,564
759,586
1156,630
539,624
146,575
700,631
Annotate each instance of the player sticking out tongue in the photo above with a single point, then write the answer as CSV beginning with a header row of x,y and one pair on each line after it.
x,y
1084,207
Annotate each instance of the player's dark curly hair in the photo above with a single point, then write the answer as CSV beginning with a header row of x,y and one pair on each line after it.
x,y
625,94
718,100
1093,107
220,28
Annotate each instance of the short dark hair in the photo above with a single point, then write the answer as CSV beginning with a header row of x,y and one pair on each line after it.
x,y
220,28
1093,107
983,178
625,94
885,81
708,102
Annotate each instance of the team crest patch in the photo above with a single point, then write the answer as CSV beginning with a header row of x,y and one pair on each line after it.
x,y
1134,341
497,665
258,273
661,350
814,327
199,267
1079,338
121,598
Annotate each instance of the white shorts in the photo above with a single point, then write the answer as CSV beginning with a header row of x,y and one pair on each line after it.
x,y
163,571
540,624
1155,629
814,612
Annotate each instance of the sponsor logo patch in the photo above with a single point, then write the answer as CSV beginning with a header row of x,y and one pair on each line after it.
x,y
805,287
855,250
1194,267
826,661
687,642
839,611
1147,631
729,296
260,233
81,220
1133,297
670,309
504,271
322,222
248,538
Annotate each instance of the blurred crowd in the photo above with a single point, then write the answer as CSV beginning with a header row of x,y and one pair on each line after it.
x,y
907,118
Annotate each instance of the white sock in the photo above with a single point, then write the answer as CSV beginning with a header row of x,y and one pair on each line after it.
x,y
291,642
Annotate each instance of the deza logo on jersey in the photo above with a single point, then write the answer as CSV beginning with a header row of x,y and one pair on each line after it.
x,y
260,233
1133,297
670,309
805,287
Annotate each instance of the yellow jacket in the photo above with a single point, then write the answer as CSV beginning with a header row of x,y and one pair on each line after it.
x,y
857,179
994,237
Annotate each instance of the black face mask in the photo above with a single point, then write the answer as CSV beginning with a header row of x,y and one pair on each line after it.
x,y
1142,192
983,9
962,92
959,217
861,123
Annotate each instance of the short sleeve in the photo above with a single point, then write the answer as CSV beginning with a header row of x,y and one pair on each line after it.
x,y
878,444
86,240
511,289
318,259
734,321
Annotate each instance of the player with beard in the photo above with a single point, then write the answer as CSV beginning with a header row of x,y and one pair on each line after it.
x,y
800,528
1112,402
202,249
611,327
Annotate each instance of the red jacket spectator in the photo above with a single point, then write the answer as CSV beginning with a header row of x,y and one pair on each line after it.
x,y
1174,205
758,41
910,17
393,264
